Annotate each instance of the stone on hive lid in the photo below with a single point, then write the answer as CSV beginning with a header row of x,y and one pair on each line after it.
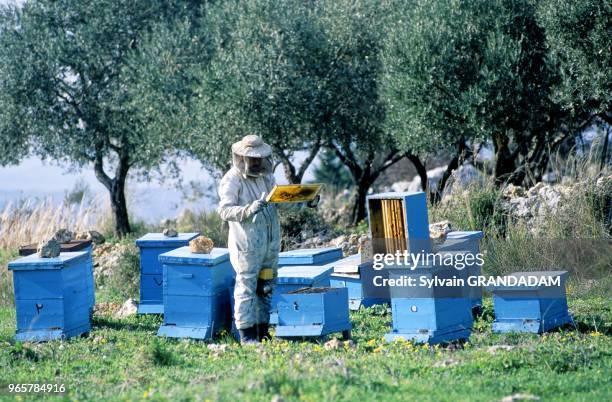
x,y
48,249
93,235
201,245
170,232
439,230
63,236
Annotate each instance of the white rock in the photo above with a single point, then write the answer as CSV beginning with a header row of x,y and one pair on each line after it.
x,y
128,308
520,397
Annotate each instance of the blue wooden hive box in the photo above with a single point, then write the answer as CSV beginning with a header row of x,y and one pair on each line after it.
x,y
313,312
151,276
533,308
469,242
309,256
350,273
72,246
398,221
52,296
196,293
432,315
295,277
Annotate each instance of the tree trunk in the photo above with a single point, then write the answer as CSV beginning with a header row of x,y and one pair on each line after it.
x,y
293,175
504,159
116,189
359,207
420,168
119,208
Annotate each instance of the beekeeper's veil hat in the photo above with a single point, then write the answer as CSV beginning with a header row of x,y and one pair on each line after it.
x,y
252,156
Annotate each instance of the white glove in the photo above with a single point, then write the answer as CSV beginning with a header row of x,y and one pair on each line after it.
x,y
257,206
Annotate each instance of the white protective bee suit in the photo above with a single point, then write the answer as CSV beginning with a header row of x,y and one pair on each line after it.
x,y
254,229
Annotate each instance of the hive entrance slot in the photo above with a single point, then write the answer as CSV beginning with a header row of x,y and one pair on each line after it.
x,y
388,225
309,290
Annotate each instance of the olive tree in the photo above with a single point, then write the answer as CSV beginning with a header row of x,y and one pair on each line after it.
x,y
67,89
459,72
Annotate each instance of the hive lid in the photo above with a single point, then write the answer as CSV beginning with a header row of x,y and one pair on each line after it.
x,y
464,235
33,261
303,274
159,240
350,265
393,195
73,245
308,252
537,275
182,255
343,275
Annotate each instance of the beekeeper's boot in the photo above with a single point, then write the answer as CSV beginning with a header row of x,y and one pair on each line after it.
x,y
263,332
248,335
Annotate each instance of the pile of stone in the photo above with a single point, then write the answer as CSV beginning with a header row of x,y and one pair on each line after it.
x,y
109,256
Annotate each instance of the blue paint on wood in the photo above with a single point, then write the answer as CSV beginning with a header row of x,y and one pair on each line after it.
x,y
354,285
151,246
309,256
534,309
467,241
313,314
294,277
52,296
415,214
433,315
196,293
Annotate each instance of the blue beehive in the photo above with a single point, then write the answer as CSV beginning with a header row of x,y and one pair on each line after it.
x,y
398,221
151,277
295,277
74,245
309,256
469,242
351,273
535,308
52,296
429,314
313,312
196,293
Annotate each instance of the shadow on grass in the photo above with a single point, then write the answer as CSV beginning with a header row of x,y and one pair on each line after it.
x,y
133,324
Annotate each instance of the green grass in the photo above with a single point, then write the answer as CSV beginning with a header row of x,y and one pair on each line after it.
x,y
123,359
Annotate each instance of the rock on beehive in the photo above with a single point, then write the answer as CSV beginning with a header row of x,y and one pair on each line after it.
x,y
63,236
93,235
201,245
439,230
170,232
48,249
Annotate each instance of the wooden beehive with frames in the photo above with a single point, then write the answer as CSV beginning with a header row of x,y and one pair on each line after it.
x,y
398,222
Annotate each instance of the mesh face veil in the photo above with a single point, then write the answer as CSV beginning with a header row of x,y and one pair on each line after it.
x,y
253,166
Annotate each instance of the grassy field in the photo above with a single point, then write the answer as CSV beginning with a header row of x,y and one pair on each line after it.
x,y
124,360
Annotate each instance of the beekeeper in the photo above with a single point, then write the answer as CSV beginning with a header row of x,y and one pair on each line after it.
x,y
254,234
